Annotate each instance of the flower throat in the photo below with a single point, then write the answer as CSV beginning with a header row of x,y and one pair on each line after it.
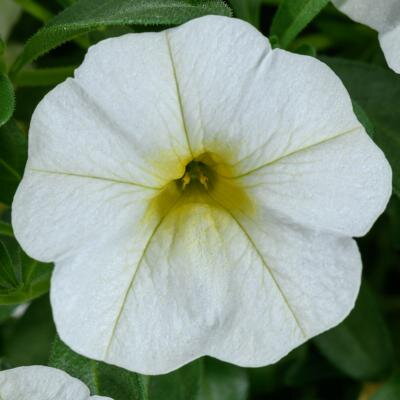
x,y
207,179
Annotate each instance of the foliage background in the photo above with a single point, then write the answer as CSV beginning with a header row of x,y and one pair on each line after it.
x,y
359,359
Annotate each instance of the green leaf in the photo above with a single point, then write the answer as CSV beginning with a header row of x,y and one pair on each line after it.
x,y
222,381
306,50
13,154
7,99
390,390
65,3
182,384
43,76
360,346
364,119
248,10
2,46
102,379
292,17
5,312
377,91
21,278
6,229
87,15
34,8
27,340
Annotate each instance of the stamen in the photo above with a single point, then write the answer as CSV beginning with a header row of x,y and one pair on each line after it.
x,y
203,180
185,180
196,171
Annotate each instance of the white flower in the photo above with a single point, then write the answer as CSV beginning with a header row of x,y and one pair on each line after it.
x,y
9,13
42,383
198,193
384,17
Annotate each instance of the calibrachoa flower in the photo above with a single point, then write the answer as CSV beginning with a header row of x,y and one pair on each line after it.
x,y
384,17
42,383
198,193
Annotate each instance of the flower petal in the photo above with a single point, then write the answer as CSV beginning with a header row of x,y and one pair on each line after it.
x,y
40,383
390,43
119,118
205,284
56,214
384,17
340,186
257,106
98,147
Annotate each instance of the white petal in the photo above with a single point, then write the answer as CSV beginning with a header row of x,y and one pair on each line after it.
x,y
118,118
257,106
241,98
58,214
151,293
384,17
9,13
206,284
390,43
95,142
340,186
42,383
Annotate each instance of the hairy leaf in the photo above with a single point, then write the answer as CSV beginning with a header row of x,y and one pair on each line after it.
x,y
292,17
7,99
102,379
87,15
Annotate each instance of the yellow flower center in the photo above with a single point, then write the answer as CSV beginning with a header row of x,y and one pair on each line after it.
x,y
207,179
195,171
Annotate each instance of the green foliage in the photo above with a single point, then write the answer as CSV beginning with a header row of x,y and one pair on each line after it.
x,y
13,154
377,91
360,346
390,390
223,381
6,229
364,119
182,384
21,277
35,9
292,17
2,46
6,312
43,76
87,15
248,10
203,379
7,99
102,379
27,340
65,3
306,49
